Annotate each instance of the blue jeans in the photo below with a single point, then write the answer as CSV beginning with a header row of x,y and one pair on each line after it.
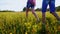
x,y
51,4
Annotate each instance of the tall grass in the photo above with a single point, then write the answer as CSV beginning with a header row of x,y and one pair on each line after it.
x,y
17,23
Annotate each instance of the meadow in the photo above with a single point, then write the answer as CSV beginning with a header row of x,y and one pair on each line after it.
x,y
17,23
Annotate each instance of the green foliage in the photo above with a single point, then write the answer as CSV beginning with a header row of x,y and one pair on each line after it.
x,y
24,9
58,8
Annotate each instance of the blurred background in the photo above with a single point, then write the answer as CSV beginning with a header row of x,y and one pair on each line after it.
x,y
18,5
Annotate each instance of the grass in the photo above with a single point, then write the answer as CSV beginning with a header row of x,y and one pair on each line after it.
x,y
17,23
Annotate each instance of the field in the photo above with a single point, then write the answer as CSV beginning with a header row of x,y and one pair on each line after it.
x,y
17,23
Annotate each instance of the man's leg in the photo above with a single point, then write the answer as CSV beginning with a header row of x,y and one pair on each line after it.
x,y
43,18
54,14
43,23
44,8
52,9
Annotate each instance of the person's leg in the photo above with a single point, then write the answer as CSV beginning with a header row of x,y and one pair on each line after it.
x,y
52,9
33,11
55,14
43,18
27,9
44,7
